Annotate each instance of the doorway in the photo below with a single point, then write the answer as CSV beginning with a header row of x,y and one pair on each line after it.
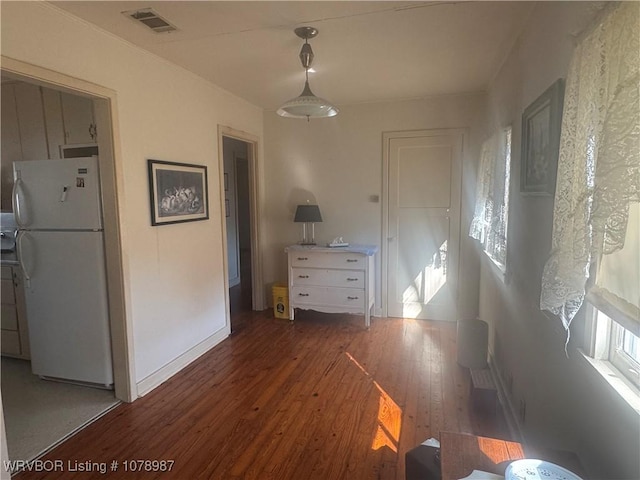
x,y
423,178
18,376
239,178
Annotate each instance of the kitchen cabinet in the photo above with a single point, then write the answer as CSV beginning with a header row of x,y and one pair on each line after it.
x,y
10,147
35,122
53,118
24,134
14,337
332,280
78,119
33,131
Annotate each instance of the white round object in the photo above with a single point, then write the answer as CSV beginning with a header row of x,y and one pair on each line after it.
x,y
531,469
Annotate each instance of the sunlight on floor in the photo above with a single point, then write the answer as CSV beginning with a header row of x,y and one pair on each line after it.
x,y
389,422
508,450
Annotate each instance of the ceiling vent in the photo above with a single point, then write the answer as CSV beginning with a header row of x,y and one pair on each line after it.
x,y
151,19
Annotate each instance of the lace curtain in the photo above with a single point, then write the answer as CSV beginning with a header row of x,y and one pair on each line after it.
x,y
599,159
489,224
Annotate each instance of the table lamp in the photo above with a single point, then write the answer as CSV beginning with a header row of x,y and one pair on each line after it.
x,y
308,215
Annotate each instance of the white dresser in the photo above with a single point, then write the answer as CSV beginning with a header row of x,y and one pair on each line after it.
x,y
332,280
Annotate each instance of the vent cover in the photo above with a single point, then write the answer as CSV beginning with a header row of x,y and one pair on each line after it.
x,y
151,19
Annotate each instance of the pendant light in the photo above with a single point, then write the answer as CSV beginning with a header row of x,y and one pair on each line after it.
x,y
307,105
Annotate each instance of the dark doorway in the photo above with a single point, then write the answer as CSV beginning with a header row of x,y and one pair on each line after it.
x,y
238,213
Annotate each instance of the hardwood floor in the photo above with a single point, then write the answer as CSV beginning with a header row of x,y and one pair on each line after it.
x,y
321,398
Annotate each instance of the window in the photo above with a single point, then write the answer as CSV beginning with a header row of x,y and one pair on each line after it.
x,y
615,345
625,352
615,301
490,220
598,176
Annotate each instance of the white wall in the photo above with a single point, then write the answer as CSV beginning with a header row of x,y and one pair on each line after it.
x,y
174,273
337,162
567,405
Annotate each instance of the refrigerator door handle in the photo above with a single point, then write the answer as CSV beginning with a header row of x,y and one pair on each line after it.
x,y
17,202
23,267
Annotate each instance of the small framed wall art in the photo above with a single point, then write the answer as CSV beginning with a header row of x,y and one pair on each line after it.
x,y
178,192
541,122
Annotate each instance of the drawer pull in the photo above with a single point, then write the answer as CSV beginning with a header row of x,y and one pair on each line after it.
x,y
303,276
352,298
303,294
303,258
351,260
352,279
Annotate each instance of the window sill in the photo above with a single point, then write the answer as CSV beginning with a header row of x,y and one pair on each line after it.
x,y
625,389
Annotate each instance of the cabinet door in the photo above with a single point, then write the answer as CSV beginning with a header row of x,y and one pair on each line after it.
x,y
10,143
77,114
53,119
33,134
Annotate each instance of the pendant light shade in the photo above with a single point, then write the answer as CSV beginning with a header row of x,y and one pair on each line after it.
x,y
307,105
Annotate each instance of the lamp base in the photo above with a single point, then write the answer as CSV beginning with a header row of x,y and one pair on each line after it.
x,y
307,243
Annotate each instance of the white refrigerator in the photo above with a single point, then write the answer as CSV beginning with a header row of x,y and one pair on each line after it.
x,y
58,209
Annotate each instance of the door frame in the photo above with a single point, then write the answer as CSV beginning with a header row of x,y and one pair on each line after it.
x,y
111,182
257,292
386,238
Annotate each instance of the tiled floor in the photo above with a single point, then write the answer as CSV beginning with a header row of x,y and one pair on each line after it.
x,y
40,413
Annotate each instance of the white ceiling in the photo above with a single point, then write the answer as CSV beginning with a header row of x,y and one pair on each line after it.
x,y
366,51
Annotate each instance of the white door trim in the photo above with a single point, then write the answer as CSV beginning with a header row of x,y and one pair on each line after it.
x,y
257,290
112,182
384,241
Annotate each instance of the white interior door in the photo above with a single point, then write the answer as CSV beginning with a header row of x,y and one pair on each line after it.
x,y
423,223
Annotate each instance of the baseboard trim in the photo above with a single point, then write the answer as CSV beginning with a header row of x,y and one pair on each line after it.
x,y
510,413
163,374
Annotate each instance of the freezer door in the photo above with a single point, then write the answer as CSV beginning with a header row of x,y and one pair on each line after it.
x,y
58,194
67,309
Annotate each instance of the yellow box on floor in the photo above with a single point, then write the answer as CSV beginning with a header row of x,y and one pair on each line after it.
x,y
280,300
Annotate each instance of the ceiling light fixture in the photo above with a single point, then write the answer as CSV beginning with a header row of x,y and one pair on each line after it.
x,y
307,105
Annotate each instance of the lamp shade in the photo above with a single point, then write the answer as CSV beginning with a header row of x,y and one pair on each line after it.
x,y
308,213
307,105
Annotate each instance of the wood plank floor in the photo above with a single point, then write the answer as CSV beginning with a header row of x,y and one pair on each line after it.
x,y
322,398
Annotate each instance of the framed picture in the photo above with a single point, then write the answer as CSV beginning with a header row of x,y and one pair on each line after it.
x,y
178,192
541,123
227,211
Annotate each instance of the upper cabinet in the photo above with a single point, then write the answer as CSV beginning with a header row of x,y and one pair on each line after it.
x,y
9,143
35,122
53,118
33,132
78,119
24,134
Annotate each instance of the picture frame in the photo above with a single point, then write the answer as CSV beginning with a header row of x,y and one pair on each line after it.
x,y
227,209
541,123
178,192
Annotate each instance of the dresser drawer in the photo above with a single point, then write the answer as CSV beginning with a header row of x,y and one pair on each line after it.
x,y
328,278
350,298
353,261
